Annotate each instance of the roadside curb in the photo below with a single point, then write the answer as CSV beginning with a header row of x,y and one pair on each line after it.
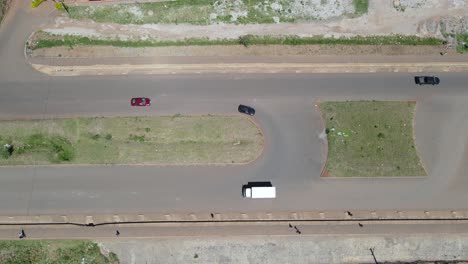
x,y
250,68
261,217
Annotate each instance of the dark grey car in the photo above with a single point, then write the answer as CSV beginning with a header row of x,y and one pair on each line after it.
x,y
421,80
246,110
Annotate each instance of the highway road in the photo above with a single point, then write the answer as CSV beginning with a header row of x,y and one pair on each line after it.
x,y
293,158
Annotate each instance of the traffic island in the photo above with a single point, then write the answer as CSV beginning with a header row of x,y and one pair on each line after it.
x,y
370,138
174,140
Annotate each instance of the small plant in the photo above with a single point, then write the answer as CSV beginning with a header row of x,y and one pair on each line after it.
x,y
62,149
108,136
113,257
137,138
380,135
175,116
59,6
246,40
147,129
95,136
36,3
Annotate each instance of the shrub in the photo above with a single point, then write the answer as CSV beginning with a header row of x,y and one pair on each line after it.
x,y
137,138
95,136
108,136
62,149
59,6
246,40
36,3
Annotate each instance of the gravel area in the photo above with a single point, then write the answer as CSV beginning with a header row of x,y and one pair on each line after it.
x,y
304,249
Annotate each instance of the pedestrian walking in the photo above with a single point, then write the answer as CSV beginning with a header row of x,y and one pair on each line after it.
x,y
290,226
349,213
117,233
360,225
295,227
298,232
212,215
21,234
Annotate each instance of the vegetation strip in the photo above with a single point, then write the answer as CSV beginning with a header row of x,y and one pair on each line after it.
x,y
53,251
130,140
45,40
370,138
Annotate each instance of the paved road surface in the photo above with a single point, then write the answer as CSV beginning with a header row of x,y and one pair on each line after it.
x,y
293,157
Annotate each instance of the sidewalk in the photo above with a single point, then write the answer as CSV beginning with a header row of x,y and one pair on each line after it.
x,y
292,64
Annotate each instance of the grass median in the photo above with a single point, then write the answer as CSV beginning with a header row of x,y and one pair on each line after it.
x,y
130,140
46,40
370,138
53,251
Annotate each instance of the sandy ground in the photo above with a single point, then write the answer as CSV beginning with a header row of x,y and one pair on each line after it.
x,y
292,249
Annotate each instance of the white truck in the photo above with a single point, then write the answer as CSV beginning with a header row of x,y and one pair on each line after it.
x,y
259,190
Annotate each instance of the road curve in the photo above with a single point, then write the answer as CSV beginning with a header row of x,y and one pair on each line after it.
x,y
292,160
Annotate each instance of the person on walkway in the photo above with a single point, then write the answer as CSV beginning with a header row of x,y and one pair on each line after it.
x,y
117,233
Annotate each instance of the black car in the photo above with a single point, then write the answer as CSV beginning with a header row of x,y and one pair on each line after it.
x,y
426,80
246,110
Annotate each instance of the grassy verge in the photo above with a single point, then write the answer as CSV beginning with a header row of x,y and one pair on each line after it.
x,y
370,139
462,40
361,7
130,140
204,12
45,40
53,251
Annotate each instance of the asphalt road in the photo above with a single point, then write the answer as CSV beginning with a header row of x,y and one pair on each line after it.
x,y
293,158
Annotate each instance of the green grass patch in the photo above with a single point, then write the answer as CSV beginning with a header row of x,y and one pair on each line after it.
x,y
130,140
360,7
45,40
462,45
370,138
53,251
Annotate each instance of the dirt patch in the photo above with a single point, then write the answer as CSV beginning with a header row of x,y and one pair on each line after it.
x,y
271,50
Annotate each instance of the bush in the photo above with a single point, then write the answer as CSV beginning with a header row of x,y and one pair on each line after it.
x,y
36,3
62,149
95,136
59,6
108,137
246,40
137,138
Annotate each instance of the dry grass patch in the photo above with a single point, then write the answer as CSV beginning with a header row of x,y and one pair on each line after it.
x,y
131,140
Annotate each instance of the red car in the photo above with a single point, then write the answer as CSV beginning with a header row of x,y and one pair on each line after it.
x,y
140,101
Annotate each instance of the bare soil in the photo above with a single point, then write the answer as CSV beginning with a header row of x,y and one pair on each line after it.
x,y
271,50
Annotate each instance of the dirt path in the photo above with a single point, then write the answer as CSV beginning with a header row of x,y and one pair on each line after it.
x,y
272,50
